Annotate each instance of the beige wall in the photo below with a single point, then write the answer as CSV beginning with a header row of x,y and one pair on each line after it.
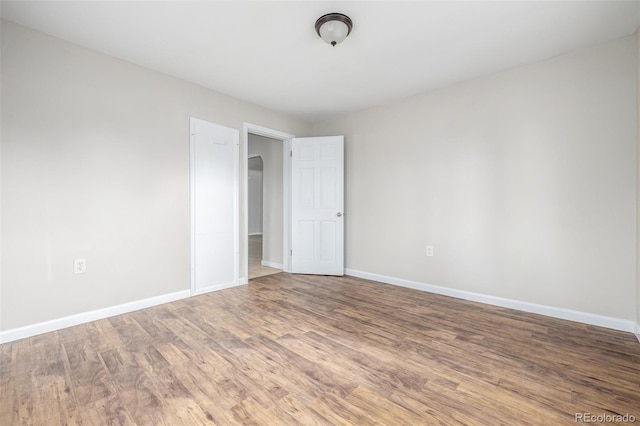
x,y
254,195
1,25
95,163
524,182
272,202
638,187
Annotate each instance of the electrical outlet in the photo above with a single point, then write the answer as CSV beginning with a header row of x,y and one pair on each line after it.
x,y
79,265
429,251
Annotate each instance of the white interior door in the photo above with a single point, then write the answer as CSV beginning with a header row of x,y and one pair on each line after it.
x,y
317,204
214,206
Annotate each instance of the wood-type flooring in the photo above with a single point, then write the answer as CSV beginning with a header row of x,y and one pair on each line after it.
x,y
294,349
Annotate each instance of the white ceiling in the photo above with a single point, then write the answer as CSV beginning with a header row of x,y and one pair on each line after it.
x,y
268,52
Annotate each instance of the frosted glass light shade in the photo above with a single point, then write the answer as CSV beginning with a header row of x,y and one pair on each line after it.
x,y
334,32
333,28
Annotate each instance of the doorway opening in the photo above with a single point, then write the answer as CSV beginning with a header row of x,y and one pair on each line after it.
x,y
264,196
319,235
266,217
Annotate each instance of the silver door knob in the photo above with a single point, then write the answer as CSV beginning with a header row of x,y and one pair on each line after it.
x,y
339,214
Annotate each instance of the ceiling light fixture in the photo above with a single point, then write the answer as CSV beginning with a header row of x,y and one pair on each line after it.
x,y
333,28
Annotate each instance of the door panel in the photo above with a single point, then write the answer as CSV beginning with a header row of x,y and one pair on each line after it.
x,y
317,202
327,241
214,206
306,191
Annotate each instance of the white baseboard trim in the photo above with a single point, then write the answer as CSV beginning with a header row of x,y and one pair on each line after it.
x,y
218,287
637,331
551,311
60,323
272,264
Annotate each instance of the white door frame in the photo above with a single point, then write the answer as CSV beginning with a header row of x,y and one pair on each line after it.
x,y
286,190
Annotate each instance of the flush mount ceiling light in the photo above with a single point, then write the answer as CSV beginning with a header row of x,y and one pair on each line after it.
x,y
333,28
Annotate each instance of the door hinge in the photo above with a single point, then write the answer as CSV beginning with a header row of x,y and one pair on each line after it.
x,y
291,154
291,253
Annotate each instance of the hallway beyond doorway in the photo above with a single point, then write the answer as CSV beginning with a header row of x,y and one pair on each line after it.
x,y
256,269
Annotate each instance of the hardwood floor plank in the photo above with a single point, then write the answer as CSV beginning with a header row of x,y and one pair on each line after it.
x,y
508,404
250,412
286,376
89,380
107,411
301,412
385,373
338,411
381,409
133,386
319,378
312,350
